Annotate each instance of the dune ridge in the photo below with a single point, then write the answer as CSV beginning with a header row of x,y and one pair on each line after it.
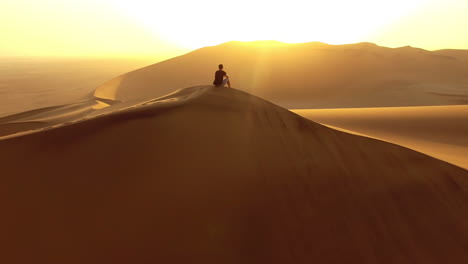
x,y
28,83
58,116
215,175
438,131
310,75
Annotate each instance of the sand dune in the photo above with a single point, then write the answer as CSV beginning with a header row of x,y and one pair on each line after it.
x,y
439,131
48,116
454,53
310,75
208,175
29,83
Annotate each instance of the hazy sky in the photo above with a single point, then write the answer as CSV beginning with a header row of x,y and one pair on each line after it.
x,y
164,28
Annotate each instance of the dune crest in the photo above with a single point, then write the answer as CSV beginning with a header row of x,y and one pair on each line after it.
x,y
215,175
439,131
310,75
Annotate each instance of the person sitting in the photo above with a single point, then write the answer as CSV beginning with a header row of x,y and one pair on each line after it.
x,y
221,77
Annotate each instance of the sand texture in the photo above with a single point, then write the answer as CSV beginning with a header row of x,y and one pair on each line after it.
x,y
215,175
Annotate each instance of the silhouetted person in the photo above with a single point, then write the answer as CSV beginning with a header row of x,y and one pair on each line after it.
x,y
220,79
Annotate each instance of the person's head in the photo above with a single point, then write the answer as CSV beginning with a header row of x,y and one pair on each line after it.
x,y
220,66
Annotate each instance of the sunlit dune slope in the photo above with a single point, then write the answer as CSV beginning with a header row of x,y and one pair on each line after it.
x,y
215,175
310,75
29,83
44,118
439,131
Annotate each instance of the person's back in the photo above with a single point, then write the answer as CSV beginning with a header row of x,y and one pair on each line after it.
x,y
219,77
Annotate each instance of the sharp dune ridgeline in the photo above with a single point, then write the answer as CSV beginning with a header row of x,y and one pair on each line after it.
x,y
295,76
144,172
216,175
439,131
29,83
311,75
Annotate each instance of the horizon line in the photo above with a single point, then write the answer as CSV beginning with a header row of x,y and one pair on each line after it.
x,y
162,57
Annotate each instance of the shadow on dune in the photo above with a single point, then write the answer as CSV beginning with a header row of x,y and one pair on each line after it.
x,y
215,175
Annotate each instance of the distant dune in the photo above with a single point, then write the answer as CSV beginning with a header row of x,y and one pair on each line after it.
x,y
215,175
439,131
310,75
458,54
29,83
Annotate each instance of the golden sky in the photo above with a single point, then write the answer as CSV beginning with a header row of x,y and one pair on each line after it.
x,y
163,28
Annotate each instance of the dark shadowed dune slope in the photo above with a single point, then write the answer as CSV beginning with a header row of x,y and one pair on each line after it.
x,y
208,175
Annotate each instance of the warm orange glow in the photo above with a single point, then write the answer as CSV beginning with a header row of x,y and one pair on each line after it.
x,y
169,28
200,23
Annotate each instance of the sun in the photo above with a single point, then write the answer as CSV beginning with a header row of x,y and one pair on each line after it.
x,y
194,24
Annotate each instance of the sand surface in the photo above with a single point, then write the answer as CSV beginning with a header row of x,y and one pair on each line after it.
x,y
133,172
439,131
29,83
310,75
208,175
